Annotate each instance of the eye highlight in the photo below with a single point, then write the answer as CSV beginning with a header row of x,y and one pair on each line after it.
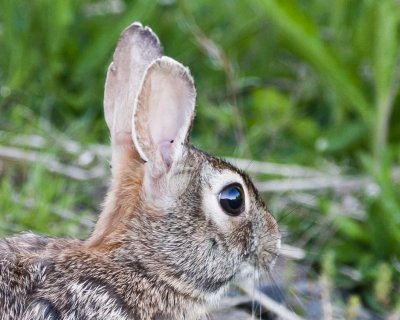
x,y
231,199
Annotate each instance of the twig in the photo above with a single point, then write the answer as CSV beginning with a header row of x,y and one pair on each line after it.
x,y
271,305
51,164
299,178
394,316
213,50
326,297
229,314
85,154
61,212
338,183
230,302
292,252
274,168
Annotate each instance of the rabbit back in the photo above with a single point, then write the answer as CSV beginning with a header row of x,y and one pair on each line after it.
x,y
20,272
44,278
36,282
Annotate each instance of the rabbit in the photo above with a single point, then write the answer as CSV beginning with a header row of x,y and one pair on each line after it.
x,y
177,225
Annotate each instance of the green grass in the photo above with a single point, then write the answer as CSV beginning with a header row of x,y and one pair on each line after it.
x,y
31,198
298,81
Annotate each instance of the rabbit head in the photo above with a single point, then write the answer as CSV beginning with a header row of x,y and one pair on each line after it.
x,y
190,219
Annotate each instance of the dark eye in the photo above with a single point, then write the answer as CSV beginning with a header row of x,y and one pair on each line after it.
x,y
231,199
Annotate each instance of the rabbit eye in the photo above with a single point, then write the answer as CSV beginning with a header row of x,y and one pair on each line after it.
x,y
231,199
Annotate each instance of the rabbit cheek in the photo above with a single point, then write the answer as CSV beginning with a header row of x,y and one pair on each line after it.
x,y
269,246
242,237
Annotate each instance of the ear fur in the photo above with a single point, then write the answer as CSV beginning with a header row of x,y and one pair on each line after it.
x,y
163,112
138,46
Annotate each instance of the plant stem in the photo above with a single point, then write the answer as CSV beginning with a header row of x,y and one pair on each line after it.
x,y
384,110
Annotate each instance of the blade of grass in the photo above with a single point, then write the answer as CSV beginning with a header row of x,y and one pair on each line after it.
x,y
386,72
301,33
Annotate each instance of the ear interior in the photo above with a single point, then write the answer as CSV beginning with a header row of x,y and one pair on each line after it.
x,y
163,112
138,46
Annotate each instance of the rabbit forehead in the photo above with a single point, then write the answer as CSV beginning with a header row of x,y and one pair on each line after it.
x,y
216,180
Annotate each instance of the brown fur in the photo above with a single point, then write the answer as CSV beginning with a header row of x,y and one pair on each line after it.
x,y
123,193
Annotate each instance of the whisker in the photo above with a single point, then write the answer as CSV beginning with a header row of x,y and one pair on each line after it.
x,y
280,218
279,293
253,301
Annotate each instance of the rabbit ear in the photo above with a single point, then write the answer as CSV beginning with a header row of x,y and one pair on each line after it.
x,y
163,113
138,46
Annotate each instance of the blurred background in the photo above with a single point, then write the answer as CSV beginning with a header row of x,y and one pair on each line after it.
x,y
301,93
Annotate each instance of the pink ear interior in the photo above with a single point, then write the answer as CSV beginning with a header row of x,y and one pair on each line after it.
x,y
166,151
164,111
